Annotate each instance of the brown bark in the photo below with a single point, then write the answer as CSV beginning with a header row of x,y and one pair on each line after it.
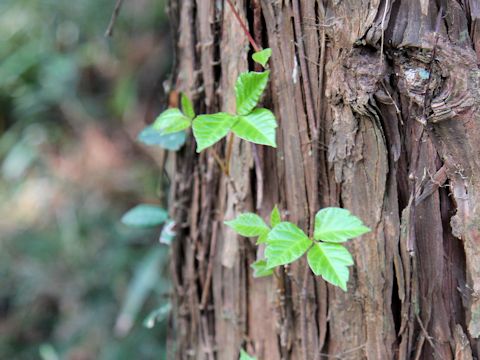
x,y
378,109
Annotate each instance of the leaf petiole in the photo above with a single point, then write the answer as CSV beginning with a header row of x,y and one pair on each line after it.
x,y
219,161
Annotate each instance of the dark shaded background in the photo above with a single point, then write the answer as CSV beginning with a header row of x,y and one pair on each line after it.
x,y
74,282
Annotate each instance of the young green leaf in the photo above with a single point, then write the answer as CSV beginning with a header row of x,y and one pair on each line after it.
x,y
285,244
145,215
257,127
331,261
248,89
208,129
260,269
337,225
171,121
150,136
275,217
262,239
187,106
261,57
244,355
248,225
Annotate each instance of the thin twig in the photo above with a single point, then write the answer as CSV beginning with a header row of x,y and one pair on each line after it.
x,y
259,176
424,336
208,280
321,70
113,19
303,311
224,167
244,27
208,348
304,69
393,101
425,332
342,354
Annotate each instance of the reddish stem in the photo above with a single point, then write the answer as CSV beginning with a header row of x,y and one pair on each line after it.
x,y
244,27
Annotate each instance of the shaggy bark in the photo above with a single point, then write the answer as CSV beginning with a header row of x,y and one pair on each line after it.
x,y
378,109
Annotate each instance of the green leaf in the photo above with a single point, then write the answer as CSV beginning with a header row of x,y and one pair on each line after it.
x,y
285,244
208,129
171,121
262,239
145,215
260,269
275,217
331,261
187,106
337,225
248,225
248,89
244,355
262,56
150,136
258,127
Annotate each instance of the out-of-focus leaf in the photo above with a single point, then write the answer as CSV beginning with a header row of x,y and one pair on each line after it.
x,y
157,315
260,269
145,215
168,234
144,280
171,121
18,160
58,78
48,352
18,62
124,95
174,141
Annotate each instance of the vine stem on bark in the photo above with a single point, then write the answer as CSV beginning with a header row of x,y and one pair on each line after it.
x,y
244,27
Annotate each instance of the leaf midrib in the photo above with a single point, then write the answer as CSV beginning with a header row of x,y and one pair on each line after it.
x,y
328,261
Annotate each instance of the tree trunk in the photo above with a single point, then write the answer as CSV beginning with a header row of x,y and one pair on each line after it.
x,y
392,88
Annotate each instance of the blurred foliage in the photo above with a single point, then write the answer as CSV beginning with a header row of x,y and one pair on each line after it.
x,y
71,105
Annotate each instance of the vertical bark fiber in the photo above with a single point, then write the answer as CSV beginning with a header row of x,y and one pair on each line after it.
x,y
378,104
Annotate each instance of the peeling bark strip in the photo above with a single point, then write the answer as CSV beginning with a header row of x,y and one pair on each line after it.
x,y
390,132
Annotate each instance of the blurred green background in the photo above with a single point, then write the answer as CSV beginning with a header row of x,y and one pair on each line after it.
x,y
75,283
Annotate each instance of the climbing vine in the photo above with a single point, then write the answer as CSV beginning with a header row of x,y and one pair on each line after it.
x,y
283,242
